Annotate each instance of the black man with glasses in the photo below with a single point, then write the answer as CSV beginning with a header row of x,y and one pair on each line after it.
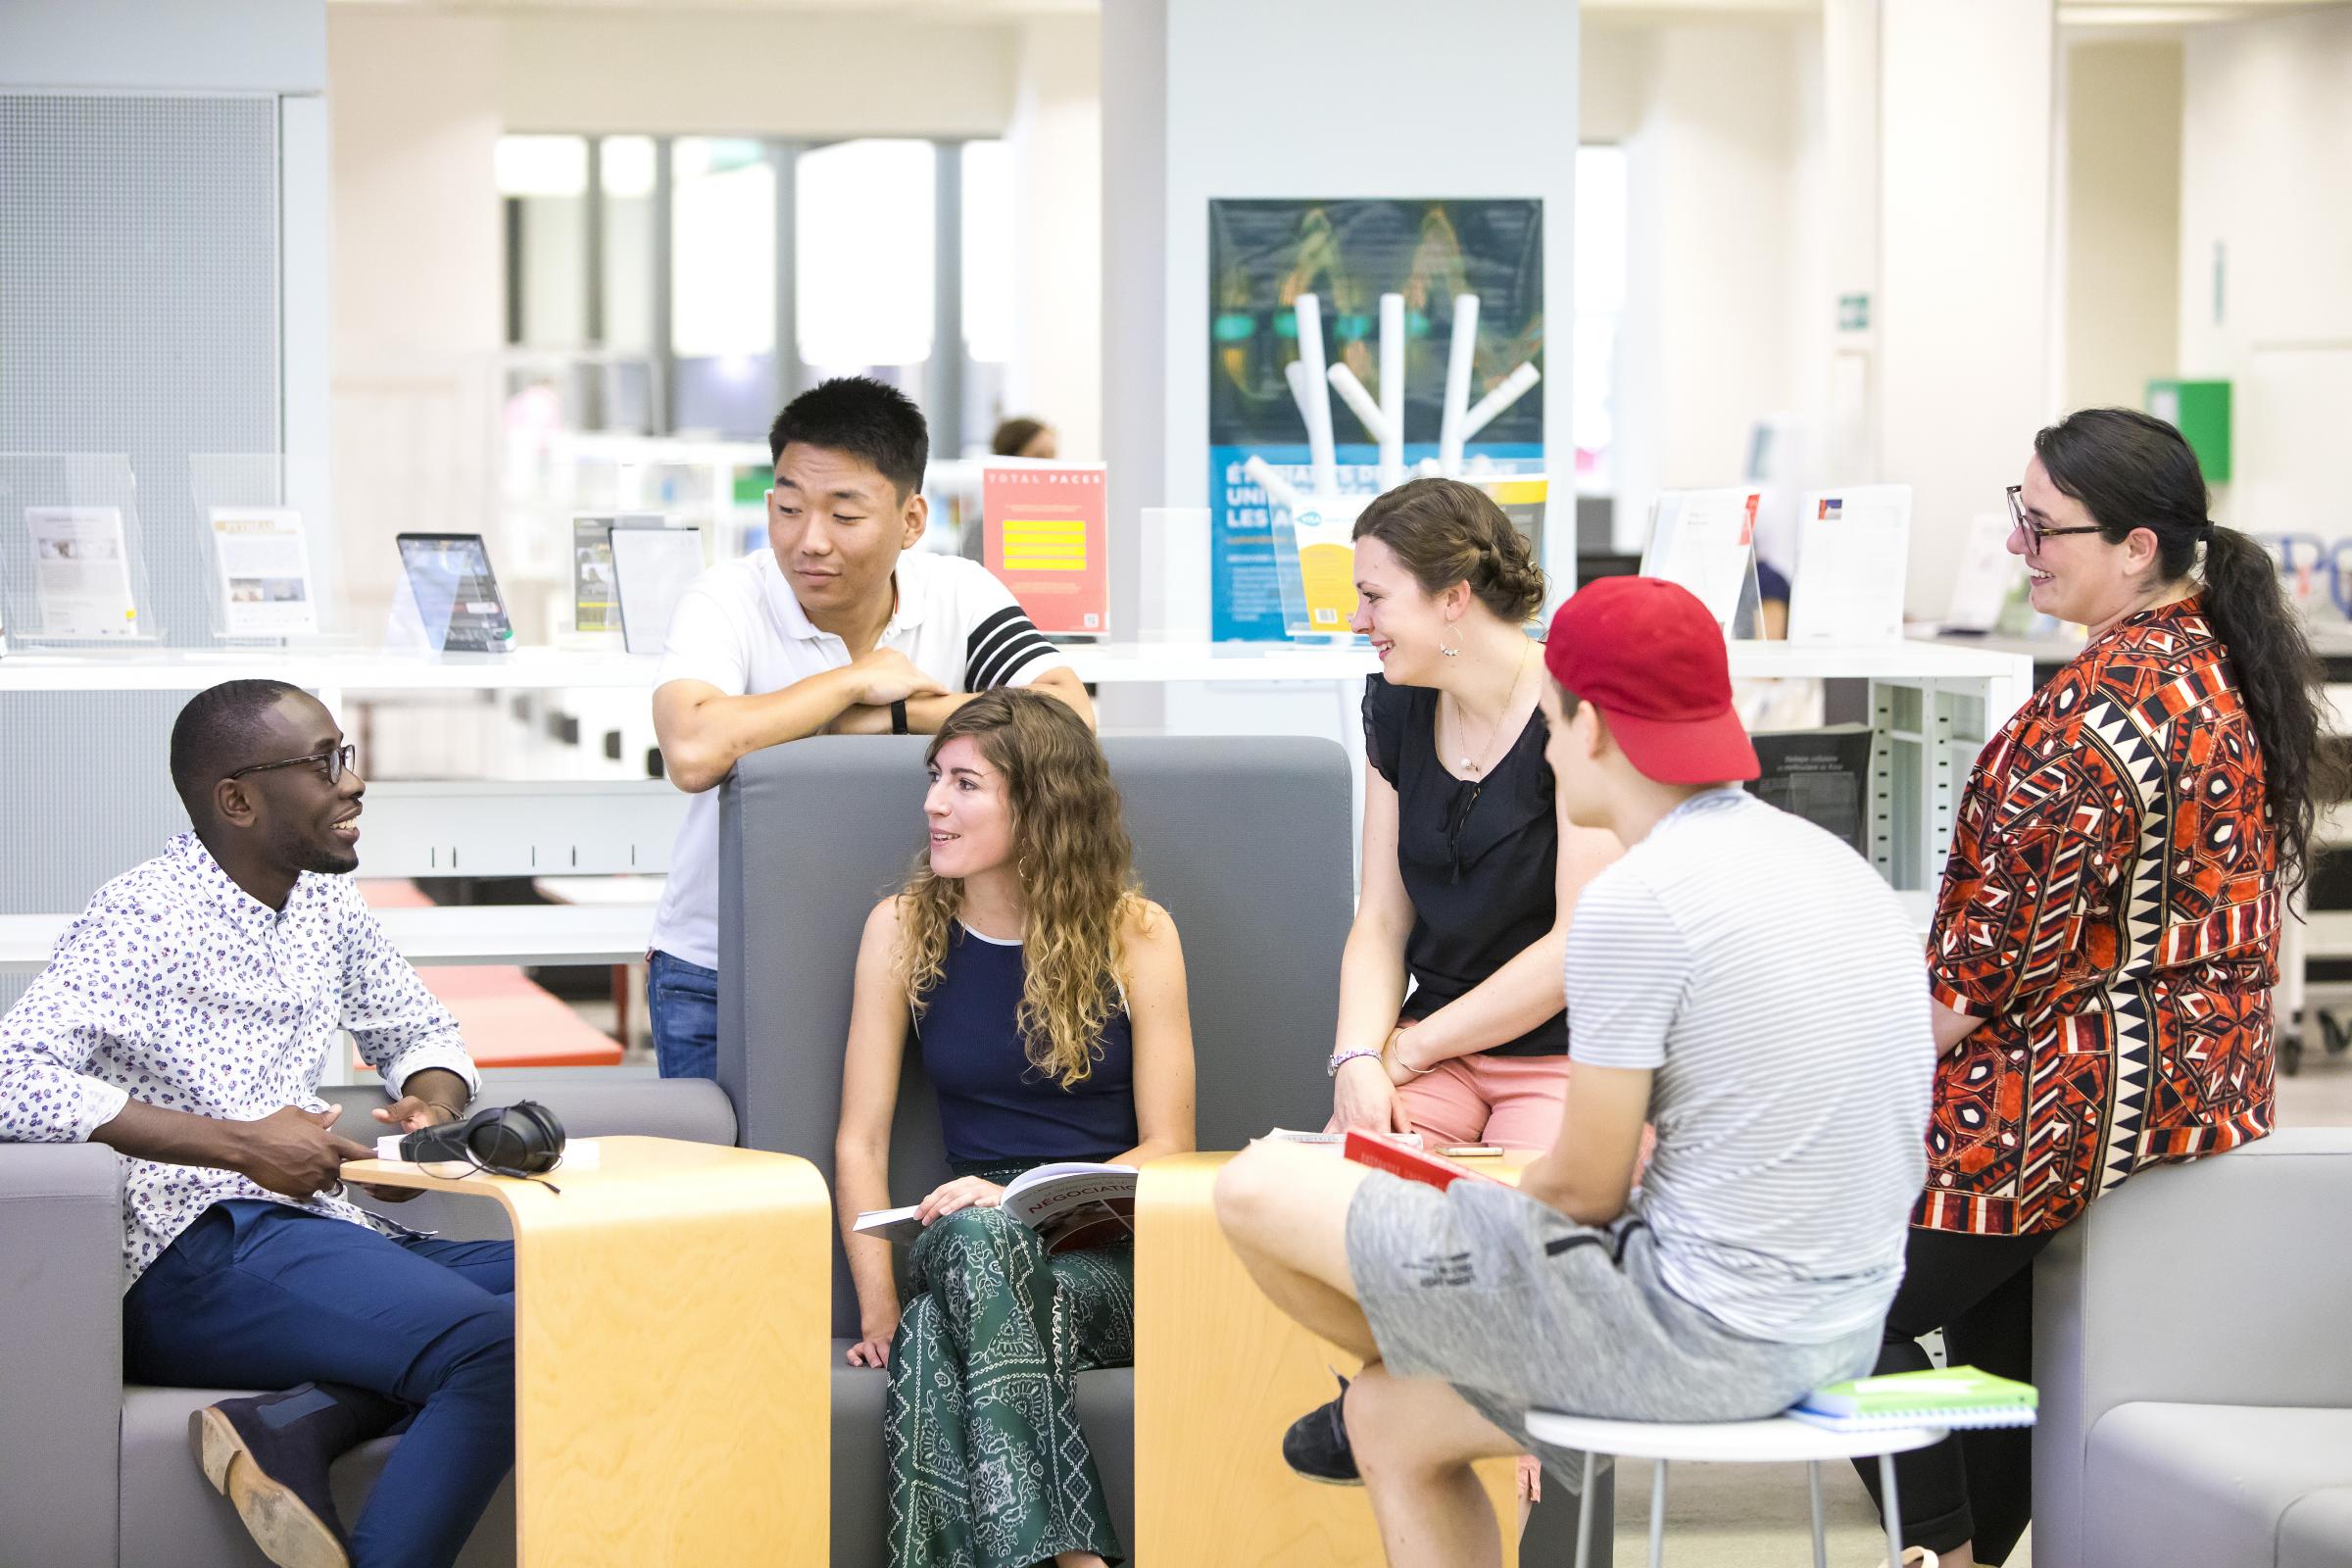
x,y
184,1020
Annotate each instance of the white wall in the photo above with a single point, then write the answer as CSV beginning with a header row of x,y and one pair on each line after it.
x,y
1719,141
417,282
1614,65
1056,138
744,72
2266,179
1965,278
2121,217
1720,124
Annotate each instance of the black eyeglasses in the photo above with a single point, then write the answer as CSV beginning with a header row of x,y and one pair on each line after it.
x,y
336,762
2036,533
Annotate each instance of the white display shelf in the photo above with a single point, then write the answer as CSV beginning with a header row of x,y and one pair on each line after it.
x,y
524,934
1106,664
194,669
514,933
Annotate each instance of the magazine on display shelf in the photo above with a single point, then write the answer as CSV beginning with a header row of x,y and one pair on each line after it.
x,y
1822,775
1853,549
448,599
652,569
1072,1205
262,565
1044,534
595,602
81,572
1705,541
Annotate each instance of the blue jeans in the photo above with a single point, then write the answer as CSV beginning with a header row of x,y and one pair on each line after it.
x,y
256,1295
683,999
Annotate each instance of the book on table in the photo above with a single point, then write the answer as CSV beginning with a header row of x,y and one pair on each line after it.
x,y
1290,1135
1959,1397
1071,1204
1413,1163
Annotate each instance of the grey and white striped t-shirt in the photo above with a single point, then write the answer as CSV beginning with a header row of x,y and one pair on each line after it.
x,y
1769,978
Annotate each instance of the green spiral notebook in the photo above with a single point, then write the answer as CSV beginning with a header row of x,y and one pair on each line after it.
x,y
1957,1397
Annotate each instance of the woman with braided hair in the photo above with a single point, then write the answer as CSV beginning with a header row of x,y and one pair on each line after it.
x,y
1450,1020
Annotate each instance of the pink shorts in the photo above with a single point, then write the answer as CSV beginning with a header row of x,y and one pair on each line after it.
x,y
1512,1100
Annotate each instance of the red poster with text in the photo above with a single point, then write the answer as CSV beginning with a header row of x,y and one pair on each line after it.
x,y
1044,531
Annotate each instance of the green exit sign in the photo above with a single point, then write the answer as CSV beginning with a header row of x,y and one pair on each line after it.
x,y
2200,410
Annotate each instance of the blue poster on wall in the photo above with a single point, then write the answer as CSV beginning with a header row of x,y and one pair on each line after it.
x,y
1263,256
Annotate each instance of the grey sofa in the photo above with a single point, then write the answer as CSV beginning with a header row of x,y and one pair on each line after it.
x,y
2194,1348
1246,841
95,1473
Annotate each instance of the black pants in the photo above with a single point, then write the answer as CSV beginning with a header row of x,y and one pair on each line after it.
x,y
1973,1486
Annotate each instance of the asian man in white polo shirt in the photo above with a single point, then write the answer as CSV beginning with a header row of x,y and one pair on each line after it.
x,y
840,626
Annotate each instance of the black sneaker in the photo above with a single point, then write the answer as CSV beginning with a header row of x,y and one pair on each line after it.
x,y
269,1455
1316,1444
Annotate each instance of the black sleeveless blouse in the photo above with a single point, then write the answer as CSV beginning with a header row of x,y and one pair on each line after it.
x,y
1480,857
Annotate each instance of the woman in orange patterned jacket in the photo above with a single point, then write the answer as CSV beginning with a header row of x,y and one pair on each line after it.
x,y
2107,934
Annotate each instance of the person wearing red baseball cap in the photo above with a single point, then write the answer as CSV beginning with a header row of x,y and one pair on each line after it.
x,y
1739,979
1651,661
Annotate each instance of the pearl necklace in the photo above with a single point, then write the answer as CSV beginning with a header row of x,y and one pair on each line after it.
x,y
1471,765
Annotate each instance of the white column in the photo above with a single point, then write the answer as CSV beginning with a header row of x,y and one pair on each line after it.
x,y
1962,313
2119,228
1849,38
1056,139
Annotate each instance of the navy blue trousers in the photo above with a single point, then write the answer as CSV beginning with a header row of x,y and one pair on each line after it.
x,y
256,1295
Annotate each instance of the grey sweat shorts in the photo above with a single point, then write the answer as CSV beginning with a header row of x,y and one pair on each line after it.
x,y
1520,1307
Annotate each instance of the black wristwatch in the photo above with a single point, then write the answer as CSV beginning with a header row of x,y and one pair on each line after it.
x,y
898,717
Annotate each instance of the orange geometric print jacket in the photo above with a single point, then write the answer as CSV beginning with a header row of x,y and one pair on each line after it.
x,y
2110,909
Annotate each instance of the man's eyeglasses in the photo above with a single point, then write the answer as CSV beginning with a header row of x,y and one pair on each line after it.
x,y
2034,532
336,763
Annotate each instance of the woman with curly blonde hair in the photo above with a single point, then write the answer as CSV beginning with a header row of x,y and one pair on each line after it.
x,y
1046,997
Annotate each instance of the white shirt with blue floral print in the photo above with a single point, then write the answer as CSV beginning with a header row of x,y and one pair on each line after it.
x,y
178,988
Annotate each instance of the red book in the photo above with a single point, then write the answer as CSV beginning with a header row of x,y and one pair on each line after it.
x,y
1383,1153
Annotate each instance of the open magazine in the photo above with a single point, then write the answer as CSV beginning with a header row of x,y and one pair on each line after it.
x,y
1073,1206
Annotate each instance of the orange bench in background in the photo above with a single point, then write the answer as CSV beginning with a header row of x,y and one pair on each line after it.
x,y
508,1022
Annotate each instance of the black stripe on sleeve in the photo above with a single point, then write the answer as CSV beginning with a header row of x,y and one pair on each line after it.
x,y
1000,648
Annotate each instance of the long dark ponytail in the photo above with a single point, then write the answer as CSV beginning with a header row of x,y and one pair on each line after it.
x,y
2133,470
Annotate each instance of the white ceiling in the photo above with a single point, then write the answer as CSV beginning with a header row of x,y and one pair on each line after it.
x,y
2138,14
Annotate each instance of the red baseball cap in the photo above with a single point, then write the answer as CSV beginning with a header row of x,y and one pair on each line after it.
x,y
1645,653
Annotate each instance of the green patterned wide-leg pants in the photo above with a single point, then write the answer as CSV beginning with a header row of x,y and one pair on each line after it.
x,y
988,1468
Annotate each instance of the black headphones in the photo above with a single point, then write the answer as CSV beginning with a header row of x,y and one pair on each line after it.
x,y
524,1138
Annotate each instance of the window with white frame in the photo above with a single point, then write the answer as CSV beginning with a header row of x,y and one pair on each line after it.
x,y
699,281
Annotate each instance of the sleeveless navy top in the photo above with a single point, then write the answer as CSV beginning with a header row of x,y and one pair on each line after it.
x,y
995,1106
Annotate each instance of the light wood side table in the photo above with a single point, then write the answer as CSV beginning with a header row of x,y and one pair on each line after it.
x,y
672,1327
1219,1374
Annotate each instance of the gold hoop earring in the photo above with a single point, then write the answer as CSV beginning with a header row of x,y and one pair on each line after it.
x,y
1020,868
1450,653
